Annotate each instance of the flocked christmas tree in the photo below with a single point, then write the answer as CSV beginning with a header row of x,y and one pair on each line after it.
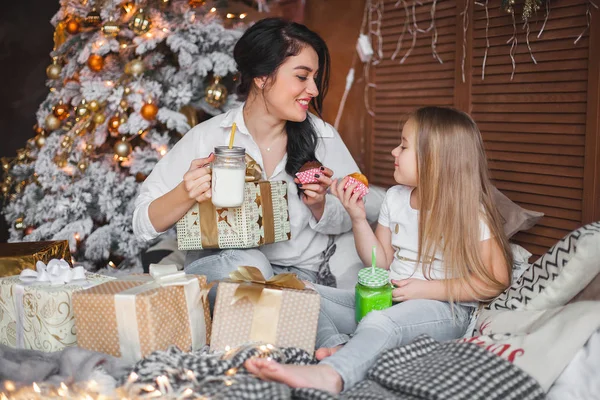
x,y
125,82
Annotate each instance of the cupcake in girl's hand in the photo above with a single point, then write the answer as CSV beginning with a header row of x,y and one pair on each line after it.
x,y
362,186
306,173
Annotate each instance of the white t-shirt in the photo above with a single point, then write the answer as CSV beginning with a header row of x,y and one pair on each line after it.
x,y
309,236
403,221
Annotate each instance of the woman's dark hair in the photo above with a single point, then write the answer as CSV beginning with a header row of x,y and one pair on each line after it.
x,y
260,52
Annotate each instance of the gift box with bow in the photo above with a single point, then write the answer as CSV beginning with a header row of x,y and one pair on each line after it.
x,y
138,314
251,309
35,307
15,257
262,219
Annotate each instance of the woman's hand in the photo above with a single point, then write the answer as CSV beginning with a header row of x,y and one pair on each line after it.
x,y
352,202
313,194
197,180
411,289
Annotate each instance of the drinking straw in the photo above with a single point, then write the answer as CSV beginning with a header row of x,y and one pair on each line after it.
x,y
373,263
232,135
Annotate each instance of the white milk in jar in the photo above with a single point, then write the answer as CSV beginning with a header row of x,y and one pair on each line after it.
x,y
228,176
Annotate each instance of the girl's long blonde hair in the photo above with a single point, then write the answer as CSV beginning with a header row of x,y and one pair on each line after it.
x,y
455,194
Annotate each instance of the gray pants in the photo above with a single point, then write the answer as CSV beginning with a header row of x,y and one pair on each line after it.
x,y
217,264
380,330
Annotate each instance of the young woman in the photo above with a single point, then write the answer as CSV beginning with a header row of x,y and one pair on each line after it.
x,y
284,69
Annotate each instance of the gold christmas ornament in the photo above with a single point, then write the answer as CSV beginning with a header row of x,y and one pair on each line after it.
x,y
53,71
113,125
52,123
122,148
196,3
89,147
127,90
93,105
73,26
149,111
99,118
190,114
29,230
95,62
123,119
60,160
135,68
59,34
22,155
111,28
5,164
93,18
40,141
61,111
128,7
140,177
18,224
5,190
216,93
81,110
82,165
67,142
123,104
140,23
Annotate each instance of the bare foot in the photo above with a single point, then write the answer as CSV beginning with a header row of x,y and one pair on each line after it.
x,y
321,376
325,352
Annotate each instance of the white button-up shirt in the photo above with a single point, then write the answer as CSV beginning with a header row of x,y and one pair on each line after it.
x,y
308,236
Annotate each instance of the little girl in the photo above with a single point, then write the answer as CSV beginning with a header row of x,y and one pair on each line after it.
x,y
441,237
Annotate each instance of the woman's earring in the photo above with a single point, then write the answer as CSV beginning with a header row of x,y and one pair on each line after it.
x,y
262,86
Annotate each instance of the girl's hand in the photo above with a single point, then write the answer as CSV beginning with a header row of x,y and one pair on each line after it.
x,y
352,202
410,289
313,194
197,180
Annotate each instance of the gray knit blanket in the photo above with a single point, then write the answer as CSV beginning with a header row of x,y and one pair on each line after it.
x,y
424,369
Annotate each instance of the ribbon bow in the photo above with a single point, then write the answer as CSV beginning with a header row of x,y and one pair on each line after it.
x,y
169,275
57,272
253,282
253,170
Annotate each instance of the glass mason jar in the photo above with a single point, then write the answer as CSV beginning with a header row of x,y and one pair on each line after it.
x,y
228,176
373,291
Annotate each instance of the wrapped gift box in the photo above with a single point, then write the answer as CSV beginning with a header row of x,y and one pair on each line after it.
x,y
138,314
38,315
262,219
279,311
15,257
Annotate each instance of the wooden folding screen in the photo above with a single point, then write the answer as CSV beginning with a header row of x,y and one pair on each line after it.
x,y
540,128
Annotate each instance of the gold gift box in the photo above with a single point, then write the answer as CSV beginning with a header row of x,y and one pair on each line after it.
x,y
279,311
134,316
15,257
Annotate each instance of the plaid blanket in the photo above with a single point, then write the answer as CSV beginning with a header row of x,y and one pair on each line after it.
x,y
424,369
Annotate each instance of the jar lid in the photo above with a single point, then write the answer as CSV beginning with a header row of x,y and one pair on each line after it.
x,y
375,277
231,152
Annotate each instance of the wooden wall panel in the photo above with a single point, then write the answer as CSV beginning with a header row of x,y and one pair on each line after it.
x,y
419,81
534,126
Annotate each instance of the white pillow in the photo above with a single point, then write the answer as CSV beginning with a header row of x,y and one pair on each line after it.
x,y
558,276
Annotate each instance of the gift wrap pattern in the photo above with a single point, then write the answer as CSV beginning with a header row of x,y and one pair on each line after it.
x,y
262,219
282,317
158,316
39,316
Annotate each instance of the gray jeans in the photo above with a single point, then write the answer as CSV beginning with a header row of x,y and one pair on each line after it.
x,y
217,264
380,330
